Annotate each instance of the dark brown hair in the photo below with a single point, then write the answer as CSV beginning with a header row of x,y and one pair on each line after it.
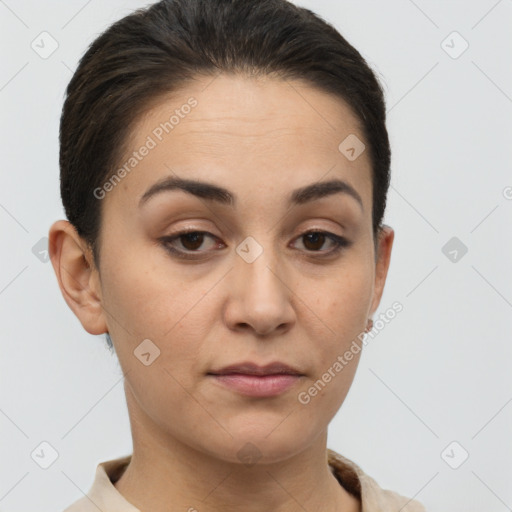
x,y
156,50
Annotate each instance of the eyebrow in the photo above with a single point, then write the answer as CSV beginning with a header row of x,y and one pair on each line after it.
x,y
223,196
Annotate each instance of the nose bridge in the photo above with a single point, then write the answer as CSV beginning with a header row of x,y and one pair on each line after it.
x,y
260,296
258,269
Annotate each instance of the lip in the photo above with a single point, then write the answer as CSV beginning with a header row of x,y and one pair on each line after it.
x,y
257,385
250,379
250,368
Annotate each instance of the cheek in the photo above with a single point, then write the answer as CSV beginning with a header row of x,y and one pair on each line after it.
x,y
342,302
144,305
149,299
145,294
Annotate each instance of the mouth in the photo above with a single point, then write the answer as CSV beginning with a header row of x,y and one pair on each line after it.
x,y
250,379
249,368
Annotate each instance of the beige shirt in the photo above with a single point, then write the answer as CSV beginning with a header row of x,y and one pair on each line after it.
x,y
105,497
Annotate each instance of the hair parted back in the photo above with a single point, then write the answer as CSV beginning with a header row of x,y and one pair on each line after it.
x,y
156,50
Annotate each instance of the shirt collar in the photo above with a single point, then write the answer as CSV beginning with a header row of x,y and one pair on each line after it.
x,y
104,496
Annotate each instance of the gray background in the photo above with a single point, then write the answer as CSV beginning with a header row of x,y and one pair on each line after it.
x,y
438,373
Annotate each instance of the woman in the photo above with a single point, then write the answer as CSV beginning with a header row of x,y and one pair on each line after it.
x,y
224,171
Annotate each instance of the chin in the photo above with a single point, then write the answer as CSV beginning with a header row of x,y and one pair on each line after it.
x,y
262,442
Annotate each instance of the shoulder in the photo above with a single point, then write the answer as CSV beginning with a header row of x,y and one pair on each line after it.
x,y
373,498
103,495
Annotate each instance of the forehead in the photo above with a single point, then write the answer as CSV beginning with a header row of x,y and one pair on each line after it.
x,y
257,133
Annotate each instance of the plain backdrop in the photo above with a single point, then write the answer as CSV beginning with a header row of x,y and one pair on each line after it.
x,y
430,412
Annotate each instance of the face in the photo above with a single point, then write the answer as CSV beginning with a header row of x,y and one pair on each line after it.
x,y
247,284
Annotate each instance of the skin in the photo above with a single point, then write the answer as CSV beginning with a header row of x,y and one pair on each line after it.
x,y
260,138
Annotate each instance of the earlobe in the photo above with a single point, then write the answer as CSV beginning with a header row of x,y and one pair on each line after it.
x,y
77,276
384,248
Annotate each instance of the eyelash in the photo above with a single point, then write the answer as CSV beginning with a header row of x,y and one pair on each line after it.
x,y
340,243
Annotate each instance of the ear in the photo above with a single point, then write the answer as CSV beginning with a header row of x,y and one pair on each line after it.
x,y
77,276
383,257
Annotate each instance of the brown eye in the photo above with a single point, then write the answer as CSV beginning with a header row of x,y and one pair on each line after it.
x,y
191,244
313,241
192,241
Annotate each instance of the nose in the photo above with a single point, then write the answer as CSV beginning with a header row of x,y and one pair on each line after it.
x,y
259,297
